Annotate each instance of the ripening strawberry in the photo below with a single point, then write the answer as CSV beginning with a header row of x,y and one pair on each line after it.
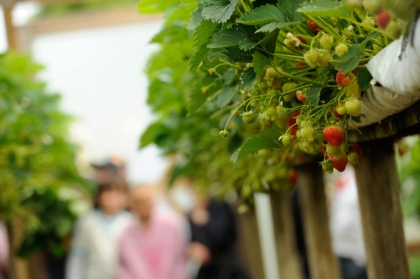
x,y
301,96
372,6
334,135
339,162
394,29
383,18
339,78
324,58
314,28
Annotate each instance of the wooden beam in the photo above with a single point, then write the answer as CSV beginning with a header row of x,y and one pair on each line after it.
x,y
253,253
10,29
380,207
404,123
285,238
322,261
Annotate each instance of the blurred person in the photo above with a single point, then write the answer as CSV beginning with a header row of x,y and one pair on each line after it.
x,y
153,246
213,241
94,249
346,226
4,251
111,169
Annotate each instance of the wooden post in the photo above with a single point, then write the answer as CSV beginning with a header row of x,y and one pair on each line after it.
x,y
11,33
18,268
284,235
322,261
251,238
380,207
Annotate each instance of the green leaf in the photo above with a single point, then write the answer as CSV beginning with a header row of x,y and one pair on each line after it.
x,y
275,25
248,78
363,78
152,133
202,33
235,54
262,15
196,18
218,11
225,96
327,8
289,8
228,38
352,58
196,100
269,42
197,57
266,139
314,95
260,61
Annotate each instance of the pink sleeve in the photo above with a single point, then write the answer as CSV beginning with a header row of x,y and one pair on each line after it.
x,y
4,247
178,260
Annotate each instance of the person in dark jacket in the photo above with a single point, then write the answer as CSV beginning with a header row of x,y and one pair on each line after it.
x,y
213,235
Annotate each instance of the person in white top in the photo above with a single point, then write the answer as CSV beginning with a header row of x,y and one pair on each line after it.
x,y
94,249
346,226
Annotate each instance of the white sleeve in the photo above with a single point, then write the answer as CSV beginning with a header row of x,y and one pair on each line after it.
x,y
76,261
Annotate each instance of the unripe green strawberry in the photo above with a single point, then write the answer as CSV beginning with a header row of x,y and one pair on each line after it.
x,y
341,110
211,71
352,4
334,150
308,133
270,73
298,133
311,57
319,141
204,89
324,58
326,41
266,123
341,49
306,122
288,87
249,117
282,118
348,32
288,97
286,139
224,134
353,107
270,114
370,21
308,148
372,6
394,29
334,135
328,166
334,21
353,158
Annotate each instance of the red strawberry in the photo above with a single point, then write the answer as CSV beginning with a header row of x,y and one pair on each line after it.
x,y
339,78
334,135
314,28
383,18
339,162
292,119
301,96
346,81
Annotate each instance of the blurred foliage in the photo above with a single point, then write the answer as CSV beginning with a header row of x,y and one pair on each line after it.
x,y
189,120
37,159
410,177
65,8
414,262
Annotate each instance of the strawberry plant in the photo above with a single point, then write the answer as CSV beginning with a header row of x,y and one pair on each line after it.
x,y
271,75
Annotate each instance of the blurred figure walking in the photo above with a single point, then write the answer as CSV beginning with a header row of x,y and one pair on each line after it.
x,y
94,250
153,246
213,246
4,251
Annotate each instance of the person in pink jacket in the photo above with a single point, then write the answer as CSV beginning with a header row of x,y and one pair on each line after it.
x,y
153,246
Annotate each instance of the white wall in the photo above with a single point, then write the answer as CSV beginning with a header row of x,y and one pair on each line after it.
x,y
99,73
